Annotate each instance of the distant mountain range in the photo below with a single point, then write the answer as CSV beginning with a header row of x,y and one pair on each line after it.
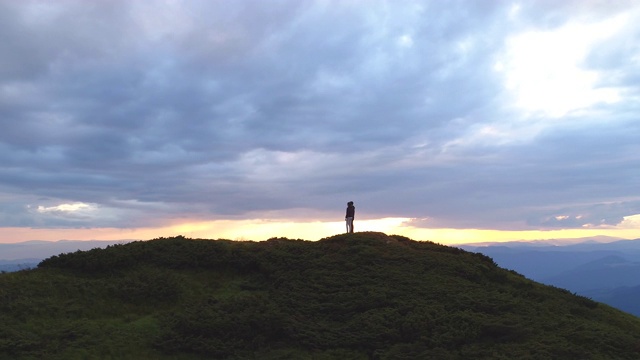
x,y
604,271
17,265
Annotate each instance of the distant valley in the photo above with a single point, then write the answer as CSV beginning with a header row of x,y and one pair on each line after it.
x,y
607,272
17,265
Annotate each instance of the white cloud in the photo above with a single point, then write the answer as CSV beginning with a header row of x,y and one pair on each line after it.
x,y
545,68
405,41
630,222
122,114
67,208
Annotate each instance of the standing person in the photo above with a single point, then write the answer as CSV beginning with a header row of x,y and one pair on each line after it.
x,y
351,214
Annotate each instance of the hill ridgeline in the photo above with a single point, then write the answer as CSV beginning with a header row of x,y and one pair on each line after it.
x,y
353,296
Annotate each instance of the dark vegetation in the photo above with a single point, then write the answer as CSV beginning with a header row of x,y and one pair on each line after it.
x,y
357,296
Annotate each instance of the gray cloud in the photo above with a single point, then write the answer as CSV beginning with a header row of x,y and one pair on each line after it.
x,y
211,110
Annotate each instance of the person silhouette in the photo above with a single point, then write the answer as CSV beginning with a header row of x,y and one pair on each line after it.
x,y
351,214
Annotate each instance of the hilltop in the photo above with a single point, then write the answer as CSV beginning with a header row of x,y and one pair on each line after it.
x,y
355,296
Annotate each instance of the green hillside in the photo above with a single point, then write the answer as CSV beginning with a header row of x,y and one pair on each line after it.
x,y
356,296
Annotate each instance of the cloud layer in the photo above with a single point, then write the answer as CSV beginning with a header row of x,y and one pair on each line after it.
x,y
467,114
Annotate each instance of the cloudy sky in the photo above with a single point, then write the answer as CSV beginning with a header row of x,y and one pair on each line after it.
x,y
451,121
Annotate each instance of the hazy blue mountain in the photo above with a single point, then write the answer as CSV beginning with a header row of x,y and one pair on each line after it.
x,y
607,272
541,262
19,264
624,298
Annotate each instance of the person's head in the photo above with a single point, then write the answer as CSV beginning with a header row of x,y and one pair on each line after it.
x,y
350,203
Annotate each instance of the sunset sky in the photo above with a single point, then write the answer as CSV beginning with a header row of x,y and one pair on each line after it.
x,y
451,121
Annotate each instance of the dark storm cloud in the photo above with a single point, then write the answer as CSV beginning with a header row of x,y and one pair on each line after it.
x,y
234,109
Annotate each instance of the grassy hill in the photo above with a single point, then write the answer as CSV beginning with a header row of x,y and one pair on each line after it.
x,y
356,296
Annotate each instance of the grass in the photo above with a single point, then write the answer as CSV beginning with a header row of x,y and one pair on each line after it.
x,y
356,296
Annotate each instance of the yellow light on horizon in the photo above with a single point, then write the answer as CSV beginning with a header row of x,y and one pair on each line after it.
x,y
260,229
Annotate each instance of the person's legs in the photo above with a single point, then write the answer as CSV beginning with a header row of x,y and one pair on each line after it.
x,y
349,224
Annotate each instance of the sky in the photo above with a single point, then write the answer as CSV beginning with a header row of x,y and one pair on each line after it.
x,y
450,121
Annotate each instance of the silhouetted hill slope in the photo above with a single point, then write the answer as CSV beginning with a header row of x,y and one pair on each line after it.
x,y
357,296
